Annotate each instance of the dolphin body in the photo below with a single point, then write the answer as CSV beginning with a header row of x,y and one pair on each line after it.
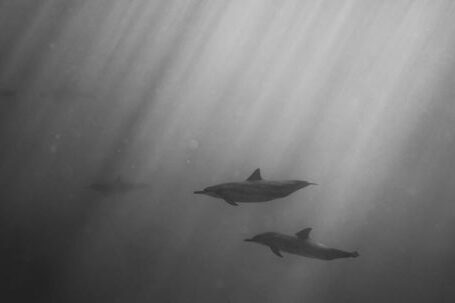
x,y
301,245
118,186
253,189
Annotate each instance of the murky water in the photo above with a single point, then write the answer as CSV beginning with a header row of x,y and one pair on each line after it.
x,y
357,96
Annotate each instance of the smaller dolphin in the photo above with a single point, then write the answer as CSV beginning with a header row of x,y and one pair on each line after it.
x,y
118,186
301,245
253,189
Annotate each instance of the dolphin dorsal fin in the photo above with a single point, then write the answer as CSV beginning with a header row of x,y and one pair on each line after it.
x,y
304,233
255,176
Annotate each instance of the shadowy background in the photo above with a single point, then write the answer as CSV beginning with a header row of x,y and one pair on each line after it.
x,y
357,96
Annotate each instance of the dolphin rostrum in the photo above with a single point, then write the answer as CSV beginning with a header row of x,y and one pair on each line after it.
x,y
301,244
118,186
253,189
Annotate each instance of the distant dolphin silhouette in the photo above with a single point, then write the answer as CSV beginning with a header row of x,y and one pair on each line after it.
x,y
8,93
301,245
119,186
253,189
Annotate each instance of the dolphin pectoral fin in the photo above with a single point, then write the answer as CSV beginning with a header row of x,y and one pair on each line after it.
x,y
276,251
231,202
255,176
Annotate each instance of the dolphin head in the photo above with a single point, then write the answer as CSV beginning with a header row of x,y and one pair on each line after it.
x,y
264,238
209,191
301,184
254,239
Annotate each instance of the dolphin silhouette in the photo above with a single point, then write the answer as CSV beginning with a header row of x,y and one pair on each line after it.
x,y
301,244
253,189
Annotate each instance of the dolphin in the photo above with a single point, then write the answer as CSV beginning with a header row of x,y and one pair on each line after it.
x,y
8,93
301,244
118,186
253,189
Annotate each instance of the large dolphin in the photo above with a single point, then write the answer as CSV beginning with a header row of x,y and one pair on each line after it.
x,y
301,245
118,186
253,189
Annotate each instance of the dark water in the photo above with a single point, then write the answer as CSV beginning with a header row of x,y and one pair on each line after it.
x,y
357,96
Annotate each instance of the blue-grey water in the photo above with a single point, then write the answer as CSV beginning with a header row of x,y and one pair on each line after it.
x,y
357,96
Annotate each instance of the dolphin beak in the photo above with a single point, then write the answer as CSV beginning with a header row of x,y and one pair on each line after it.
x,y
199,192
248,240
312,183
